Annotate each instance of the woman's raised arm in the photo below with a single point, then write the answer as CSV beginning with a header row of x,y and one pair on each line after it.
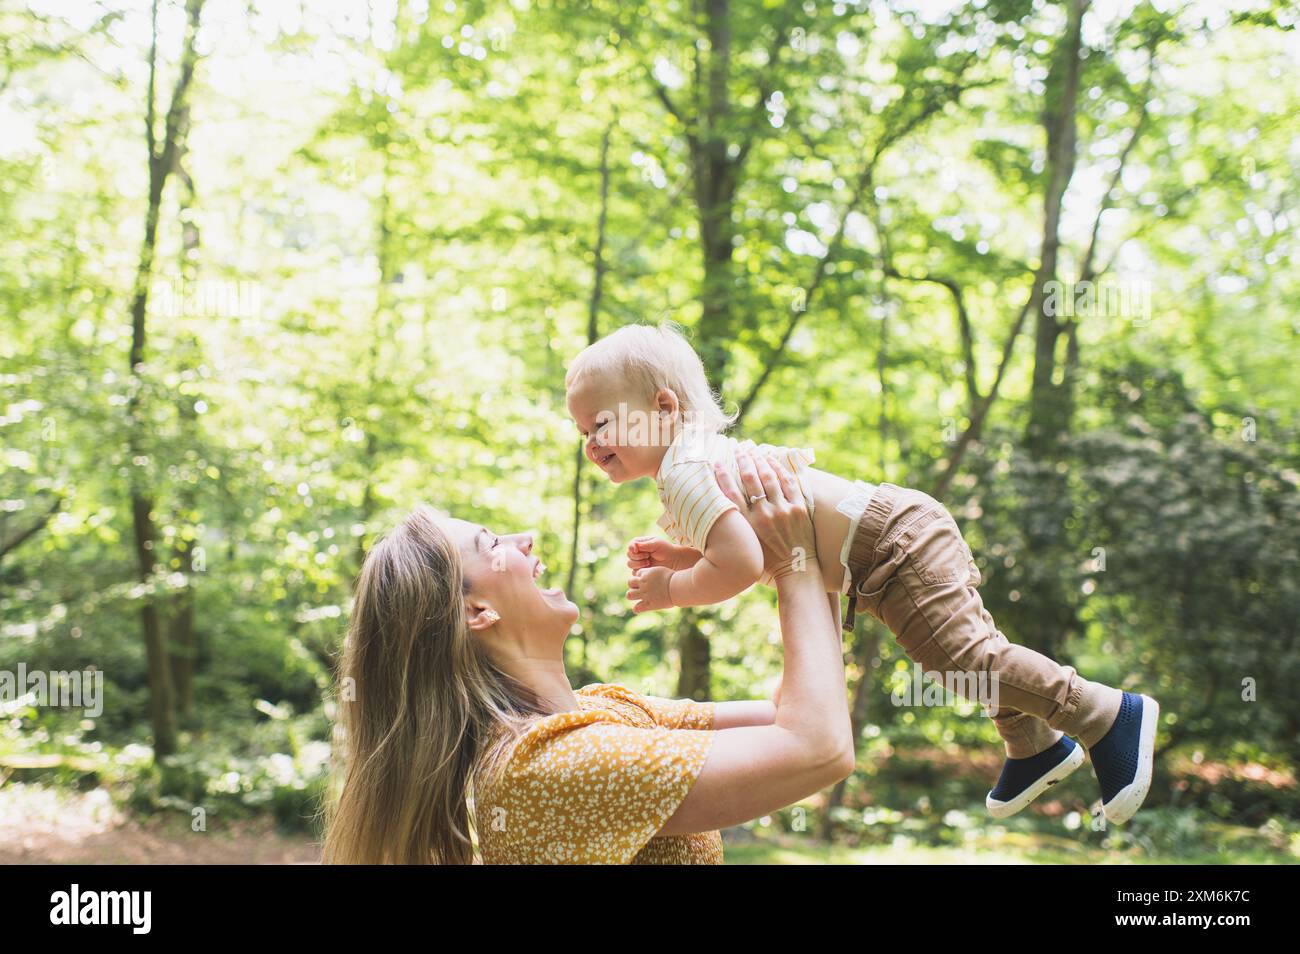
x,y
753,770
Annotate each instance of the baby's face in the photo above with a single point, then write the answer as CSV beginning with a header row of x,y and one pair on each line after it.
x,y
625,434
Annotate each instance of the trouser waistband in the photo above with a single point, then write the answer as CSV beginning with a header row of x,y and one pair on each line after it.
x,y
865,541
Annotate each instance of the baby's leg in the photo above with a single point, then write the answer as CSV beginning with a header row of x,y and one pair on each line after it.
x,y
914,572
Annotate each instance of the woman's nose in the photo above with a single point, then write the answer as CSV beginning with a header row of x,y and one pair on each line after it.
x,y
525,542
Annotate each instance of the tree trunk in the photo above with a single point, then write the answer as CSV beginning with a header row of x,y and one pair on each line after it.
x,y
866,657
181,646
383,253
715,191
593,332
162,158
1047,606
693,678
714,174
1048,413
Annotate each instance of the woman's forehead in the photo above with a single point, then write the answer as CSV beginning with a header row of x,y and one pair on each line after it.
x,y
464,532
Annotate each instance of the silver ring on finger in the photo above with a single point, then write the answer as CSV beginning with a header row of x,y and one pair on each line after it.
x,y
755,498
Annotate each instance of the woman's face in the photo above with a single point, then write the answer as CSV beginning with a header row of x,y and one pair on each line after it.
x,y
503,576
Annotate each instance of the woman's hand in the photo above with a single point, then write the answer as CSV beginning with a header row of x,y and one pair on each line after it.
x,y
780,520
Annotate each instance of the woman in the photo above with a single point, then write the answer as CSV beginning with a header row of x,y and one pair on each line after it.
x,y
454,704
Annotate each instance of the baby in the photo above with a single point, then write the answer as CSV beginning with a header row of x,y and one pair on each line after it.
x,y
642,402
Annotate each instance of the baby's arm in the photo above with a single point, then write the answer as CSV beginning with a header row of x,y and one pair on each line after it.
x,y
645,552
731,563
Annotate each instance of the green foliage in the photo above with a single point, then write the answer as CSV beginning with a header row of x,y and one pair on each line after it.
x,y
1174,521
378,252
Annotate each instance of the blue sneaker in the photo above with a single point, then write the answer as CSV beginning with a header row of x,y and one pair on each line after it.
x,y
1123,758
1023,780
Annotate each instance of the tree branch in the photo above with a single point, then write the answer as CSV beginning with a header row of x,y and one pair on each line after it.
x,y
8,546
981,410
1086,273
963,322
766,87
934,102
150,137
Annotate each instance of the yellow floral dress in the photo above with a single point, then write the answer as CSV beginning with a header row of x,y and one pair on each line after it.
x,y
593,786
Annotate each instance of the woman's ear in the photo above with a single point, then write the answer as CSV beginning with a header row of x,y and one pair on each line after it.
x,y
480,616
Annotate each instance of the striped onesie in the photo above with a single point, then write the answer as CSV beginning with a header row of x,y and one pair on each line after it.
x,y
690,495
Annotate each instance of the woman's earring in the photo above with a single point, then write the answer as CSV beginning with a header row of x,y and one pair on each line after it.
x,y
492,616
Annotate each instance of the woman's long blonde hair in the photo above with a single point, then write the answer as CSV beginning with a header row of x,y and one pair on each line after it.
x,y
421,710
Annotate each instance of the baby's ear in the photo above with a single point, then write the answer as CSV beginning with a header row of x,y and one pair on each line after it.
x,y
667,402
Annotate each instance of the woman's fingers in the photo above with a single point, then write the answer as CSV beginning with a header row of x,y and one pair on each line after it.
x,y
768,481
749,478
790,488
727,485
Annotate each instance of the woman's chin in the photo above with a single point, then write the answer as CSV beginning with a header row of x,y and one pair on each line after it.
x,y
556,599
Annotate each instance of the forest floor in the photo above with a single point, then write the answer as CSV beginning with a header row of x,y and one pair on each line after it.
x,y
52,824
44,825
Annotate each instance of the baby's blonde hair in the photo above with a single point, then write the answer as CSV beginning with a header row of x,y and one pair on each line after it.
x,y
650,357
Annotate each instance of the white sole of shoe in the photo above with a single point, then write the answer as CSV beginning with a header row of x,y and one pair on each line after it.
x,y
1005,809
1130,798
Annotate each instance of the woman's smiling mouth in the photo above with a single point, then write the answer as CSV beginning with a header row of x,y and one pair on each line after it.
x,y
603,459
538,569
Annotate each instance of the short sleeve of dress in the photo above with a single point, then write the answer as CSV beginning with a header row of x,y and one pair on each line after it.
x,y
595,792
654,710
681,713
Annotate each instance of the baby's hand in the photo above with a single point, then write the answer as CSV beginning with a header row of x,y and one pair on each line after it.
x,y
645,552
648,589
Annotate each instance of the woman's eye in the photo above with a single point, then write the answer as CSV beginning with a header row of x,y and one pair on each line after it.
x,y
496,542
